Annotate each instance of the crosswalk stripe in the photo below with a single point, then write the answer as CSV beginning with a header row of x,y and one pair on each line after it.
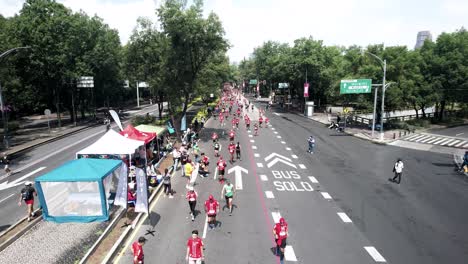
x,y
418,137
427,139
454,142
466,146
438,141
450,141
459,144
443,141
433,140
412,136
422,138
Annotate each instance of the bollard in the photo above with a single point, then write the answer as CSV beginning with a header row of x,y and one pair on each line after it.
x,y
405,133
394,135
399,134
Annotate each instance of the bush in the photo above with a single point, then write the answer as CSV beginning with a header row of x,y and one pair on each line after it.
x,y
146,119
419,123
13,125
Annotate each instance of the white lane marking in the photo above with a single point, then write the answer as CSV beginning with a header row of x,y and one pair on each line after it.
x,y
294,156
288,148
269,194
277,155
283,142
260,165
459,144
278,136
413,136
19,181
274,129
427,139
454,142
344,217
466,146
432,140
375,254
313,179
263,177
276,216
302,166
438,141
216,173
256,155
418,137
254,147
276,114
6,198
252,141
459,134
326,195
450,141
238,181
289,253
421,138
276,132
250,135
206,226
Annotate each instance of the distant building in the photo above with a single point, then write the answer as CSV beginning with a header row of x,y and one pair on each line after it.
x,y
422,36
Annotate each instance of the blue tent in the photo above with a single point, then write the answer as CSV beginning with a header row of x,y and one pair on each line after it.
x,y
78,191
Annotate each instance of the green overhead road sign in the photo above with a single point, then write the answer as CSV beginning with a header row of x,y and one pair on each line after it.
x,y
355,86
253,81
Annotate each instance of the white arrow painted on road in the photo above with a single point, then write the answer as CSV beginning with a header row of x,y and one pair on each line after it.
x,y
277,114
276,160
238,172
7,185
277,155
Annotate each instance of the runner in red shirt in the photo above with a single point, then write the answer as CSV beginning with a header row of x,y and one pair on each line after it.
x,y
247,123
237,122
211,209
238,111
221,168
231,135
221,119
137,249
205,159
191,196
232,148
256,129
214,137
280,231
266,121
233,122
260,121
195,246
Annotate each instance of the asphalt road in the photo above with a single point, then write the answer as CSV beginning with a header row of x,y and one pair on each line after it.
x,y
38,161
458,131
367,220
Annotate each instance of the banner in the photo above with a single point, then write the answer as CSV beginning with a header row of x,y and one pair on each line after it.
x,y
116,118
141,192
183,123
306,90
121,193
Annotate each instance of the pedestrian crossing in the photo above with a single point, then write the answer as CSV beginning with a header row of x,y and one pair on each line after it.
x,y
437,140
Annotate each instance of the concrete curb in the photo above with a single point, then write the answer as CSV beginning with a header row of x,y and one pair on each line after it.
x,y
12,239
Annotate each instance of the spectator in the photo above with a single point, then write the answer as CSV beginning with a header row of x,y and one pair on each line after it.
x,y
137,250
27,195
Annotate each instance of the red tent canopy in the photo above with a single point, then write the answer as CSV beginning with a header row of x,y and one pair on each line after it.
x,y
133,133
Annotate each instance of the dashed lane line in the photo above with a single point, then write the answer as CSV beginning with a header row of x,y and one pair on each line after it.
x,y
289,253
283,142
313,179
294,156
276,132
276,216
278,136
256,155
254,147
252,141
326,195
250,135
288,148
302,166
269,194
375,254
260,165
344,217
263,177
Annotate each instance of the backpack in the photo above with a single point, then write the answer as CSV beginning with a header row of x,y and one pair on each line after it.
x,y
27,193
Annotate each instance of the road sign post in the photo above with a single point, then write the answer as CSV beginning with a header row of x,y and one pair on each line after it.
x,y
356,86
47,113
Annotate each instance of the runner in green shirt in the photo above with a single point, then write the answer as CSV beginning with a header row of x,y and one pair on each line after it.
x,y
228,193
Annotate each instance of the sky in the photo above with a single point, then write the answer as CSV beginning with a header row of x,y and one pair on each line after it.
x,y
250,23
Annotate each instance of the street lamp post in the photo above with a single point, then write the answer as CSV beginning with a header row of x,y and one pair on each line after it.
x,y
384,66
5,125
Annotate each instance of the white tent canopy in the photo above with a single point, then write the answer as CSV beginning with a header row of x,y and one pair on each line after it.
x,y
112,143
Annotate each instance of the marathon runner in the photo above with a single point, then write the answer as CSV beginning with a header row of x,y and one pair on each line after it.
x,y
238,151
191,196
195,249
228,193
280,231
231,149
221,168
211,209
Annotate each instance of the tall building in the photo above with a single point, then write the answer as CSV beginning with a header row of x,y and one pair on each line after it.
x,y
422,36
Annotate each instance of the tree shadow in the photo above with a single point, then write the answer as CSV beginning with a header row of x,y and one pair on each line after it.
x,y
4,227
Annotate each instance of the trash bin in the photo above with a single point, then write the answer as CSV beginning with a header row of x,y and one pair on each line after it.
x,y
309,108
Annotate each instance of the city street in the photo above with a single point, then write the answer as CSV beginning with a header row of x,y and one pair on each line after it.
x,y
338,202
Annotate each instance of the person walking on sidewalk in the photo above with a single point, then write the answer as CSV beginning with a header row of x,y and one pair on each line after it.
x,y
167,183
27,195
191,196
6,163
137,250
398,170
195,248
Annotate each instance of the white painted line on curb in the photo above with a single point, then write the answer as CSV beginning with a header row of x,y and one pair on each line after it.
x,y
289,253
276,216
283,142
269,194
260,165
256,155
375,254
313,179
344,217
302,166
326,195
294,156
263,177
254,147
288,148
252,141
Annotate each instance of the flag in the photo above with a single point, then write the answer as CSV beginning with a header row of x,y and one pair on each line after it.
x,y
121,193
116,118
141,192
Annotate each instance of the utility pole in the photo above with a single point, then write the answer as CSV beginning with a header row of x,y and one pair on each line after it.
x,y
383,100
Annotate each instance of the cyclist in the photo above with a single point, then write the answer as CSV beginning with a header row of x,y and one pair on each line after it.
x,y
228,193
211,209
221,167
232,148
191,196
238,151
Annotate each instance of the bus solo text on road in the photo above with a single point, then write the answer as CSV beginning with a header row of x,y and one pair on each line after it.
x,y
289,182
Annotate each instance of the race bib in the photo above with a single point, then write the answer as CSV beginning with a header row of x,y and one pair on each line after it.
x,y
211,211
